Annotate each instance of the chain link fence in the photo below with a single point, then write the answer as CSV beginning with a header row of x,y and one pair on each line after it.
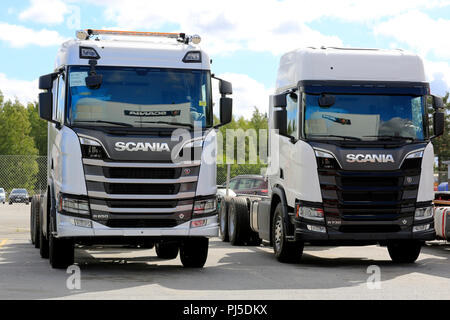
x,y
23,171
238,169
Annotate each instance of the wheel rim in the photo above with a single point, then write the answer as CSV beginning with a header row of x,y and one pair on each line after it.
x,y
278,234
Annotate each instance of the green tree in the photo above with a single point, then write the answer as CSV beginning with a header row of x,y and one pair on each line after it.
x,y
442,144
38,128
21,169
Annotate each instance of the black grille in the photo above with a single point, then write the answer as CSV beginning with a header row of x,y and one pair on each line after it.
x,y
116,188
141,203
370,195
369,229
142,173
142,223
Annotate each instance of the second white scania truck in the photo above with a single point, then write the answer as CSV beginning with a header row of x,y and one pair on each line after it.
x,y
131,146
352,162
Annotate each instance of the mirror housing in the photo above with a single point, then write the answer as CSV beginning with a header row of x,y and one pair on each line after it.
x,y
46,106
438,103
46,81
279,100
226,110
94,81
225,87
280,121
438,123
326,100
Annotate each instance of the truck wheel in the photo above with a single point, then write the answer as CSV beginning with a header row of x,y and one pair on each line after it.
x,y
194,252
37,222
223,219
284,250
61,252
404,251
43,244
166,250
32,221
238,221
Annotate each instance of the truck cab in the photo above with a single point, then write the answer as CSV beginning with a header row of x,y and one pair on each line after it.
x,y
351,159
131,145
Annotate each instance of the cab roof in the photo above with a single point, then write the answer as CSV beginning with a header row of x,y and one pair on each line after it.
x,y
127,51
354,64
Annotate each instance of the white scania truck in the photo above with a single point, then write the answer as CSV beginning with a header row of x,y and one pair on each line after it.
x,y
131,146
352,162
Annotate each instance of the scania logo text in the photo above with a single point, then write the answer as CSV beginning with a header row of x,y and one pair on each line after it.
x,y
383,158
142,146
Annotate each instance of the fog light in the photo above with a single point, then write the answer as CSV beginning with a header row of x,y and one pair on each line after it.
x,y
198,223
423,213
82,223
316,228
422,227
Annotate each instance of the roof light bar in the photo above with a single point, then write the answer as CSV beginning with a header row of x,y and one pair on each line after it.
x,y
180,37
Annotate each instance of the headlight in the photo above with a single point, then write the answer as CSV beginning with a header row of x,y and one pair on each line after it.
x,y
92,149
423,213
326,160
310,213
205,206
71,205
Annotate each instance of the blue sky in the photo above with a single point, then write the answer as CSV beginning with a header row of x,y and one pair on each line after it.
x,y
244,38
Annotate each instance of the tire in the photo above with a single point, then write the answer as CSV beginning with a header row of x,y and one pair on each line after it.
x,y
33,221
238,221
61,251
194,252
10,203
223,219
37,223
167,250
43,244
404,251
284,250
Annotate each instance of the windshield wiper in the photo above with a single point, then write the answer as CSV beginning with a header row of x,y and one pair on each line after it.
x,y
336,136
123,124
168,122
389,137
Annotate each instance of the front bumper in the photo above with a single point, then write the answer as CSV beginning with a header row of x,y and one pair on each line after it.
x,y
66,228
19,200
376,233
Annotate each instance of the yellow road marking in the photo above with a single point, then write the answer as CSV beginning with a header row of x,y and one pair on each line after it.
x,y
3,242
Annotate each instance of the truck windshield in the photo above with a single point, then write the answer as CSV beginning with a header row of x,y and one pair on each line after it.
x,y
365,117
140,97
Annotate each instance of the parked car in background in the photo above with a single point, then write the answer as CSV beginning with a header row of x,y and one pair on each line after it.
x,y
248,184
19,196
2,195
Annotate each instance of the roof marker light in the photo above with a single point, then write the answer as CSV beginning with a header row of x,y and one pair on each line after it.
x,y
193,57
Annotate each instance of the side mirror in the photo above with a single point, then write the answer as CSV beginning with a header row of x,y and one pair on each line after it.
x,y
326,100
46,81
225,87
279,100
94,82
280,121
438,123
46,105
226,110
438,103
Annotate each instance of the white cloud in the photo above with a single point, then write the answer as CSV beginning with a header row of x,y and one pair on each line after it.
x,y
262,25
25,91
247,94
420,32
45,11
20,36
438,74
